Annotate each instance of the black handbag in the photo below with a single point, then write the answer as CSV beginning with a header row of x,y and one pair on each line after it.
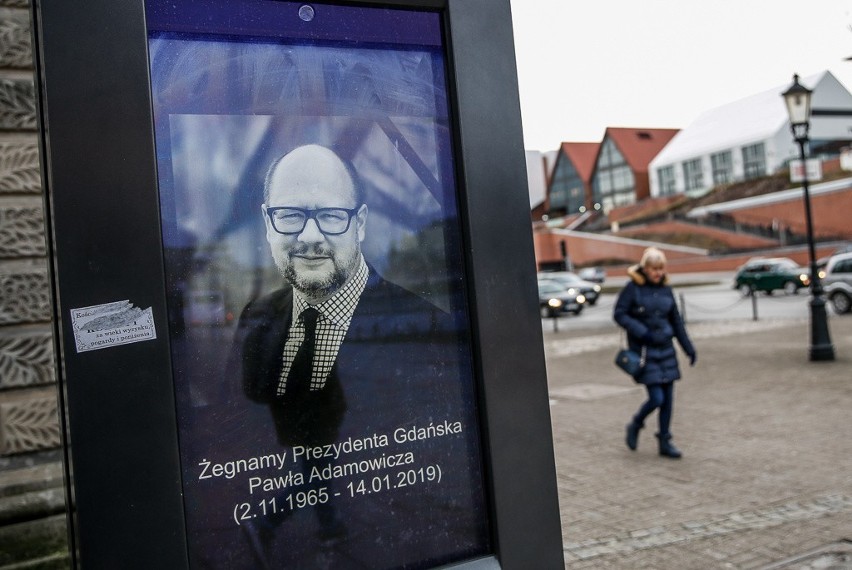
x,y
629,361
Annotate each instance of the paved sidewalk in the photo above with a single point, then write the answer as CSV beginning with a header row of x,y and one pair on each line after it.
x,y
766,478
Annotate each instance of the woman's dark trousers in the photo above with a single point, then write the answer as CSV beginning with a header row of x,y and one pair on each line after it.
x,y
659,396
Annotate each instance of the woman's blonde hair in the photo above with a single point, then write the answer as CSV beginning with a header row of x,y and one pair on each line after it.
x,y
653,257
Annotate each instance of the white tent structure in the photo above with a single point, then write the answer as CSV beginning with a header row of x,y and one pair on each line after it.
x,y
750,138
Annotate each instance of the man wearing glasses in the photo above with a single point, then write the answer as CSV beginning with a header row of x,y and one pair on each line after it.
x,y
348,362
330,345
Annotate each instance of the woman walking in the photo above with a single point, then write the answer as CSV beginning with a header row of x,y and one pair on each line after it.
x,y
646,309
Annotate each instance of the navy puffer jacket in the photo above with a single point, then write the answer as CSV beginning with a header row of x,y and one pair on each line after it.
x,y
649,314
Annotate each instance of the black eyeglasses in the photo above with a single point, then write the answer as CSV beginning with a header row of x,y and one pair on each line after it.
x,y
330,221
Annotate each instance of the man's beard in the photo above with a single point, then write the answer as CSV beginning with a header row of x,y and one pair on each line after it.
x,y
318,287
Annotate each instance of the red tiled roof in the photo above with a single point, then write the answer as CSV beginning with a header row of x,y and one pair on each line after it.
x,y
639,146
582,155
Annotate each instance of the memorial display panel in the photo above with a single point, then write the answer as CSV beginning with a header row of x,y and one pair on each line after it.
x,y
305,160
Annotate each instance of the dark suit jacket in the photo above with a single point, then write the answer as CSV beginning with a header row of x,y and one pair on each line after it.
x,y
403,365
399,349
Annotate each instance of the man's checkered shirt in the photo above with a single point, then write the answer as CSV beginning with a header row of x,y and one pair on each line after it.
x,y
335,315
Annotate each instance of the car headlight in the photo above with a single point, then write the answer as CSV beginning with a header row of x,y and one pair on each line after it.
x,y
821,273
572,291
597,288
581,299
554,303
804,278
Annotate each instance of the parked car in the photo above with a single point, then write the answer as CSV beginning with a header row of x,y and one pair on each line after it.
x,y
770,274
822,262
593,274
573,281
555,299
838,282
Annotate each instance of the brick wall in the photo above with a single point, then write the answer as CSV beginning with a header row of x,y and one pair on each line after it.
x,y
830,212
729,263
586,249
732,240
28,412
831,218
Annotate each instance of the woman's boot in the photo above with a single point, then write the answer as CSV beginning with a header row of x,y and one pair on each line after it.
x,y
667,448
632,438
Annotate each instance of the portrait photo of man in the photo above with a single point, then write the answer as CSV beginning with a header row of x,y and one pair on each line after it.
x,y
295,356
339,354
320,330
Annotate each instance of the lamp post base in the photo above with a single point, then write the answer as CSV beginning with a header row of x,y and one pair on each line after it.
x,y
821,347
822,353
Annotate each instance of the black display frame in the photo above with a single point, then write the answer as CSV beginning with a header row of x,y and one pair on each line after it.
x,y
103,231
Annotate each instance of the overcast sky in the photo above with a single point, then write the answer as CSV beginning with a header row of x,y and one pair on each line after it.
x,y
586,65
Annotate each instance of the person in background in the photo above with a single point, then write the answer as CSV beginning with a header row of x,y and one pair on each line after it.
x,y
647,311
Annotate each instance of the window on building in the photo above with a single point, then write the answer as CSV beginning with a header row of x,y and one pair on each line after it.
x,y
622,178
623,198
576,198
666,178
558,199
722,167
614,182
566,189
609,156
692,174
754,161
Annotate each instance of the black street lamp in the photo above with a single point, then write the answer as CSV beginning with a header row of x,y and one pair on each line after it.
x,y
798,100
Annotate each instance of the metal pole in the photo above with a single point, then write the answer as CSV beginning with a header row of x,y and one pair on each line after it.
x,y
753,305
821,347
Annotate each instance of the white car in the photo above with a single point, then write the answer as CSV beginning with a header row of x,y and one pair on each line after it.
x,y
838,282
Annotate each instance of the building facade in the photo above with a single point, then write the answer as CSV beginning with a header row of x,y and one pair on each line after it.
x,y
750,138
570,188
620,175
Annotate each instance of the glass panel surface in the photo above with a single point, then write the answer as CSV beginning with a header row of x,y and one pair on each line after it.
x,y
355,445
566,191
722,167
754,161
692,174
667,180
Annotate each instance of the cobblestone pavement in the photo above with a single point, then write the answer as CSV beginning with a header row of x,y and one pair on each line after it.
x,y
766,478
